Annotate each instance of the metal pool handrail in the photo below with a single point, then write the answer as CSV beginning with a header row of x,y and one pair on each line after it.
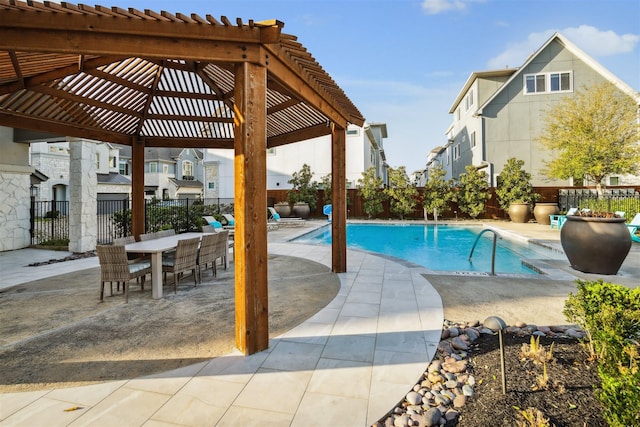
x,y
493,252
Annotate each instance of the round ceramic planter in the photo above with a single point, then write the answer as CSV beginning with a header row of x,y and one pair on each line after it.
x,y
595,245
283,209
519,212
302,210
543,212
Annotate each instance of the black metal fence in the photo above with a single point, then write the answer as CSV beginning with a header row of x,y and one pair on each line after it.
x,y
50,219
49,223
612,200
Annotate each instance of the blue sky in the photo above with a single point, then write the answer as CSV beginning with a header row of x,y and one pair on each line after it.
x,y
403,62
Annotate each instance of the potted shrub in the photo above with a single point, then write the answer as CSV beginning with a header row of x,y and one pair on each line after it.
x,y
595,242
302,198
515,192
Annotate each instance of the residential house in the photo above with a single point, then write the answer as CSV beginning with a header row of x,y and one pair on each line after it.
x,y
169,173
499,114
364,149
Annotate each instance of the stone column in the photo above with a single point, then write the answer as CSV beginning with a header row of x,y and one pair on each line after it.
x,y
83,191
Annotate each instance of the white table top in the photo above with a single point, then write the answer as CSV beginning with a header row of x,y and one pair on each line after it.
x,y
161,244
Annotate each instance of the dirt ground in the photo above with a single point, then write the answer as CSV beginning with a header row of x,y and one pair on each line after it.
x,y
55,332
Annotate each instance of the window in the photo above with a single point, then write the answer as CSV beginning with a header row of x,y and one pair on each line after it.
x,y
473,139
548,82
112,162
97,160
456,152
469,100
153,167
165,168
560,82
212,185
124,168
353,132
613,180
187,168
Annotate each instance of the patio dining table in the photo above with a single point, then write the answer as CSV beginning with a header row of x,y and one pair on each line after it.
x,y
155,248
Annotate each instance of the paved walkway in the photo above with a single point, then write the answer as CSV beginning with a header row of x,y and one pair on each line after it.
x,y
346,366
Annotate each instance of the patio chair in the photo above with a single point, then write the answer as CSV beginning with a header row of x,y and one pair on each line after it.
x,y
634,226
184,259
130,255
223,244
206,253
115,267
558,220
157,234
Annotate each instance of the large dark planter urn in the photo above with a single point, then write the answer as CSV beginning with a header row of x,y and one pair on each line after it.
x,y
519,212
301,210
283,209
595,245
543,212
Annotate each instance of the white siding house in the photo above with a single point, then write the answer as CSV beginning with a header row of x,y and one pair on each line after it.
x,y
364,149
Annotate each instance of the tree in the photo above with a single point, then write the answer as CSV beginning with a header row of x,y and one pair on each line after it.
x,y
371,192
437,191
594,133
304,190
401,192
472,191
326,184
514,185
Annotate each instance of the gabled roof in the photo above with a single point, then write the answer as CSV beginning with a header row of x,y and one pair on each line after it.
x,y
122,75
184,183
595,65
478,75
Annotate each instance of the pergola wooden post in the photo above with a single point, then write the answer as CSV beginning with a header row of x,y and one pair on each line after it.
x,y
338,200
250,164
137,187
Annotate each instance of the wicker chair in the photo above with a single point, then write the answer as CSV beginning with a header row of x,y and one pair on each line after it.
x,y
115,267
206,253
222,247
184,259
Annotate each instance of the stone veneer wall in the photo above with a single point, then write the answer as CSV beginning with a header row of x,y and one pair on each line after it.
x,y
83,205
211,174
15,205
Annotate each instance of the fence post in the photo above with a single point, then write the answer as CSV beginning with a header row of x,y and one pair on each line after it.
x,y
32,220
125,217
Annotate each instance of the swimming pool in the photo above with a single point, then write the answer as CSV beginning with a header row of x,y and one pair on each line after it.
x,y
437,247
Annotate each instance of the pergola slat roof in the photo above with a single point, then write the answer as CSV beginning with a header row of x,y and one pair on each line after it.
x,y
57,73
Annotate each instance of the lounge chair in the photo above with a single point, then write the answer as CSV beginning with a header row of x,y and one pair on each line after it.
x,y
272,214
634,226
231,221
212,221
558,220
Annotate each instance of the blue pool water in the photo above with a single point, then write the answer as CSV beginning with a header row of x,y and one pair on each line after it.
x,y
437,247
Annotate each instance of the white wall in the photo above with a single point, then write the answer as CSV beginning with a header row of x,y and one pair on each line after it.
x,y
282,161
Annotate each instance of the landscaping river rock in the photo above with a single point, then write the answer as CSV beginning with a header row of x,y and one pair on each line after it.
x,y
448,383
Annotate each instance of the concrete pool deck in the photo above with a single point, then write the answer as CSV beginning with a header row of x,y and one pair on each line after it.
x,y
347,365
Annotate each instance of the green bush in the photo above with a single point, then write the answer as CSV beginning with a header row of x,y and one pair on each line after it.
x,y
610,314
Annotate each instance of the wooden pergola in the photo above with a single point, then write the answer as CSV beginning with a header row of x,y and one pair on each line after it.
x,y
149,79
